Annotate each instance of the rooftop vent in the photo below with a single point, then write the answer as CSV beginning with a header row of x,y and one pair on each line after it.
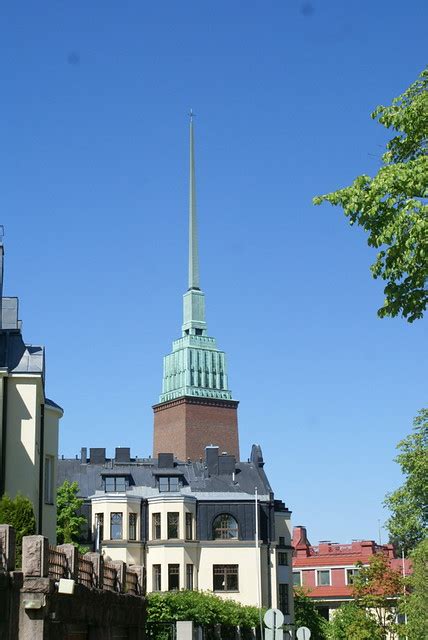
x,y
165,460
122,454
97,455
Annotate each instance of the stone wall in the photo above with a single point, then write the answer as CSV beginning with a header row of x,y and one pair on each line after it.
x,y
61,595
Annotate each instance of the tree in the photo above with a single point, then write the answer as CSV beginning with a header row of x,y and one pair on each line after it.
x,y
69,522
352,622
415,604
377,587
19,513
392,207
307,615
408,524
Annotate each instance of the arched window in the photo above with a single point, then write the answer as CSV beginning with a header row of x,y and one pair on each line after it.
x,y
225,527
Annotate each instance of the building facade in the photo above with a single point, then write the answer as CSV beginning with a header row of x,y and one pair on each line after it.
x,y
191,525
28,419
327,570
194,515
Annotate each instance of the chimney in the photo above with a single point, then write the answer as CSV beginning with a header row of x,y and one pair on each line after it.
x,y
211,459
97,455
122,454
165,460
83,455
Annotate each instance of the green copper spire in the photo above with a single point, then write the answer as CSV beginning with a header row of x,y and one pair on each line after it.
x,y
193,223
195,367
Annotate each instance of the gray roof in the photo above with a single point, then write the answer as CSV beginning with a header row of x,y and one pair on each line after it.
x,y
19,357
143,473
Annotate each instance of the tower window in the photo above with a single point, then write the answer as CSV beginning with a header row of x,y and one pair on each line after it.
x,y
225,527
198,332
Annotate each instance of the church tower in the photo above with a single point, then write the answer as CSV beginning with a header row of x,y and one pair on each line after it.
x,y
195,408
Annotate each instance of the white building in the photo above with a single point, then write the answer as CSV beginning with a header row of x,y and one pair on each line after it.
x,y
28,419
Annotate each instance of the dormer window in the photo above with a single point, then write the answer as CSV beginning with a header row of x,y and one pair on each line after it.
x,y
169,483
115,484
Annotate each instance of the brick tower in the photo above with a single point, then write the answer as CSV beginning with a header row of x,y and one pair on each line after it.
x,y
195,407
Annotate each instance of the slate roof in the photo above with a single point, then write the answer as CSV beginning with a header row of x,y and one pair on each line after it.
x,y
18,357
196,479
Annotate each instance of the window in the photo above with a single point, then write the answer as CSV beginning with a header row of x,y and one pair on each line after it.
x,y
116,526
99,530
283,601
189,577
173,525
225,577
173,577
225,527
323,577
281,541
156,526
169,483
350,575
189,526
283,558
132,530
157,583
49,479
297,579
115,483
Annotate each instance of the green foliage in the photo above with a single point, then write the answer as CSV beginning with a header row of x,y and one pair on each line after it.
x,y
352,622
306,615
392,208
203,608
377,587
415,605
19,513
408,523
69,523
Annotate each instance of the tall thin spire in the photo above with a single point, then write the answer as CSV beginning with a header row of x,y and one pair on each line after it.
x,y
193,225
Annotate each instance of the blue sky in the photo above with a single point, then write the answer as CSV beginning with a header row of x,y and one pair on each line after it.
x,y
94,166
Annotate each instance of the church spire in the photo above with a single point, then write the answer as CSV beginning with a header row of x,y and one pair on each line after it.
x,y
193,224
193,300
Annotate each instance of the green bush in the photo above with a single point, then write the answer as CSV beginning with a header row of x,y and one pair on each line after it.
x,y
19,513
202,608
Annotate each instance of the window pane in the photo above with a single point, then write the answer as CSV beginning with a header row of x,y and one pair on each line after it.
x,y
282,558
110,484
173,484
99,530
297,580
189,576
163,484
225,527
173,577
49,497
120,484
225,577
116,526
132,533
157,586
323,578
283,598
173,525
189,527
156,526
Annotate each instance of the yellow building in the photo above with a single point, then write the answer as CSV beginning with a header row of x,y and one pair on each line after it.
x,y
28,419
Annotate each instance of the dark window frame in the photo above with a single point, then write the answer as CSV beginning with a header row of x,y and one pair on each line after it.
x,y
226,577
173,577
156,526
132,526
115,484
189,525
157,577
282,558
173,525
118,524
189,576
284,598
168,484
225,527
